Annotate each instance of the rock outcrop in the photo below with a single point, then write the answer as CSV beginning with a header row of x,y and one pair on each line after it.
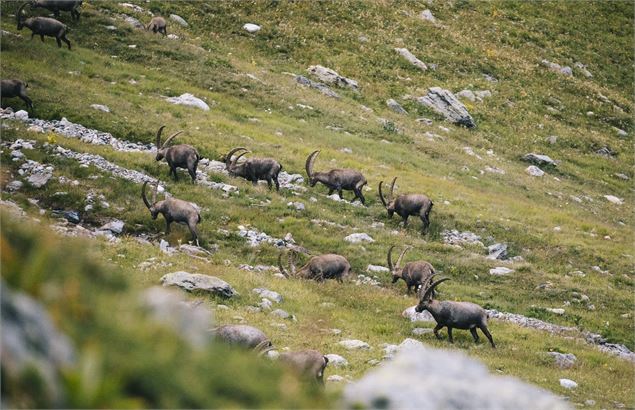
x,y
445,103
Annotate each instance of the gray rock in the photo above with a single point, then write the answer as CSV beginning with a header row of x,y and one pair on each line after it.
x,y
331,77
14,185
613,199
269,294
606,152
336,360
190,320
179,20
30,340
323,88
552,139
100,107
621,176
467,94
568,384
21,115
70,216
190,100
445,103
282,314
115,226
534,171
405,53
133,22
497,251
359,238
265,304
582,68
396,107
444,380
563,360
251,28
454,237
427,15
500,271
412,315
192,282
539,159
299,206
195,251
420,331
244,336
377,269
353,344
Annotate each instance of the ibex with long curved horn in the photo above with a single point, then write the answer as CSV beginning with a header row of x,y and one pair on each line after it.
x,y
177,156
417,274
59,5
253,169
336,179
158,24
329,266
407,204
15,88
460,315
173,210
43,26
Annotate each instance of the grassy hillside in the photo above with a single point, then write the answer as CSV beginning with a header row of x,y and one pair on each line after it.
x,y
255,102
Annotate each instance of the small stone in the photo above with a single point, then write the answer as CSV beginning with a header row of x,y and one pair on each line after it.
x,y
251,28
336,360
534,171
282,314
179,20
21,115
269,294
358,238
396,107
299,206
353,344
563,360
420,331
427,15
539,159
115,226
192,282
552,139
500,271
556,311
189,99
414,316
589,402
497,251
614,199
568,384
377,269
405,53
14,186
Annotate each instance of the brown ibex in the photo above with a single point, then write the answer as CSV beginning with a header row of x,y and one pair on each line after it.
x,y
460,315
173,210
253,169
44,26
329,266
158,24
59,5
309,364
336,179
407,204
417,274
177,156
243,336
15,88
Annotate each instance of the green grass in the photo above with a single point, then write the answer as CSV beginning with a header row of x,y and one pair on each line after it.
x,y
504,39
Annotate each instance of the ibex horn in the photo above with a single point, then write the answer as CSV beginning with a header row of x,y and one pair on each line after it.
x,y
401,256
282,270
159,137
170,138
229,155
392,188
143,195
381,195
390,265
430,288
309,162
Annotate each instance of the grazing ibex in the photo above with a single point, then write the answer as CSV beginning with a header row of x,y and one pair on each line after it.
x,y
158,24
309,364
407,204
244,336
173,210
43,26
417,274
253,169
59,5
15,88
460,315
329,266
336,179
177,156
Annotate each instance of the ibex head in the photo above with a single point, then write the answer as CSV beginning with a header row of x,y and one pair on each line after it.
x,y
426,299
230,165
152,207
18,16
390,205
395,270
162,148
309,168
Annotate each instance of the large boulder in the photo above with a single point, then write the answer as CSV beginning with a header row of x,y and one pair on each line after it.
x,y
442,380
331,77
445,103
197,282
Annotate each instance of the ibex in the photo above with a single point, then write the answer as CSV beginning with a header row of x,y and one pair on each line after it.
x,y
43,26
177,156
59,5
460,315
417,274
15,88
173,210
158,24
407,204
253,169
329,266
243,336
309,364
336,179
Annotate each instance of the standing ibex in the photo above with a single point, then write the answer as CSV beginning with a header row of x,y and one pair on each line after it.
x,y
336,179
309,364
417,274
158,24
329,266
243,336
59,5
460,315
15,88
43,26
407,204
253,169
177,156
173,210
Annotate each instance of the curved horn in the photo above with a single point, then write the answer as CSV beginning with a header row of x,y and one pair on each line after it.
x,y
238,157
170,138
381,195
282,270
229,155
292,262
390,265
430,288
143,195
392,188
19,13
401,256
159,137
154,192
310,161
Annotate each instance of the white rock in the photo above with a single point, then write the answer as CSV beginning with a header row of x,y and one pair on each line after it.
x,y
466,94
115,226
331,77
420,331
353,344
427,15
568,383
336,360
556,311
358,238
188,99
534,171
251,28
500,271
614,199
100,107
269,294
179,20
405,53
412,315
539,159
173,36
21,115
377,269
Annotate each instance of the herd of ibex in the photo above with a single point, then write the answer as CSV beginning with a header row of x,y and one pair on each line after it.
x,y
417,275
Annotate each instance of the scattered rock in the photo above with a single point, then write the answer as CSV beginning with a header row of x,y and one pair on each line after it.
x,y
568,384
412,315
497,251
405,53
613,199
179,20
623,177
133,21
566,70
358,238
427,15
134,7
188,99
534,171
552,139
21,115
251,28
115,226
396,107
377,269
367,280
582,68
323,88
70,216
563,360
336,360
539,159
445,103
282,314
500,271
172,37
352,344
14,186
420,331
100,107
269,294
193,282
299,206
606,152
331,77
454,237
555,311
